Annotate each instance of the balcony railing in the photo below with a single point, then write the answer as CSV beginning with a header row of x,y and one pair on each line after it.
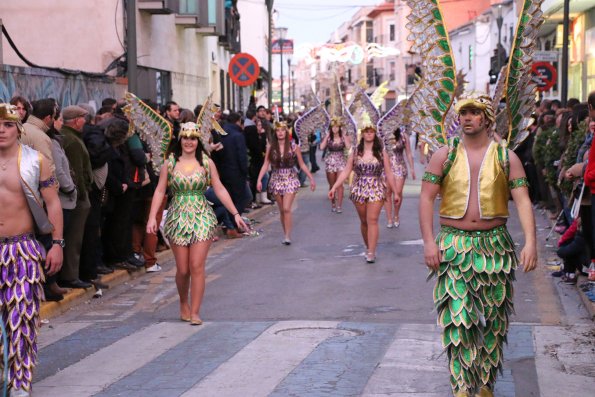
x,y
231,38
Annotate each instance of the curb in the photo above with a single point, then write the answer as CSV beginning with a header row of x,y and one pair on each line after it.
x,y
590,306
76,296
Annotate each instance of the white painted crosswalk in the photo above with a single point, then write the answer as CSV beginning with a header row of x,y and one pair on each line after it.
x,y
90,375
285,358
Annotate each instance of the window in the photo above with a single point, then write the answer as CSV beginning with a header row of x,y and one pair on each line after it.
x,y
391,32
189,7
369,32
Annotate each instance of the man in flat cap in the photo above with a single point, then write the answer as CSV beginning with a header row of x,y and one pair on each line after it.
x,y
25,183
80,163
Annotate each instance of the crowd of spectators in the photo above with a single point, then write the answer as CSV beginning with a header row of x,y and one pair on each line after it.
x,y
560,165
106,182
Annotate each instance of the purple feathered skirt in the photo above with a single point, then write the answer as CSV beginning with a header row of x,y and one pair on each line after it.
x,y
283,181
335,161
367,189
21,292
398,167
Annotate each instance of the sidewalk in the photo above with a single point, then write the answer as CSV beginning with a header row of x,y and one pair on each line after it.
x,y
77,296
589,306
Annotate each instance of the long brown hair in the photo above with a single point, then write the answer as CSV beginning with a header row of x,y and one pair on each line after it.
x,y
275,152
330,131
376,146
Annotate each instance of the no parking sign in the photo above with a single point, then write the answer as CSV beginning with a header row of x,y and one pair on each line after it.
x,y
243,69
544,74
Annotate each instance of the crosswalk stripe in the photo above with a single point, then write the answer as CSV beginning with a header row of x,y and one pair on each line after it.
x,y
411,364
262,364
100,369
49,335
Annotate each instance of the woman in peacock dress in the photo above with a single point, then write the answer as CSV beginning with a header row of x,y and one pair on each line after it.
x,y
190,221
283,156
400,151
335,142
369,162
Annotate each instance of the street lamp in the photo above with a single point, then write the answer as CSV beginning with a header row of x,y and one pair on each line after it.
x,y
281,32
288,85
269,4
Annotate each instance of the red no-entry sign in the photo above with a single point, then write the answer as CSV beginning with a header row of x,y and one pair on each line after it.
x,y
544,75
243,69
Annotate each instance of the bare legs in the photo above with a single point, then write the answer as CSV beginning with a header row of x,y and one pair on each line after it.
x,y
331,177
368,216
399,182
390,206
190,277
284,202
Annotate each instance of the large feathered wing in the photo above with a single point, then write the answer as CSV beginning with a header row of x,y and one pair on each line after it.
x,y
379,93
434,94
361,104
314,119
152,128
393,119
207,123
520,89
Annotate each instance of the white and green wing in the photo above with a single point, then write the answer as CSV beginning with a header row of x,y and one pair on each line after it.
x,y
435,91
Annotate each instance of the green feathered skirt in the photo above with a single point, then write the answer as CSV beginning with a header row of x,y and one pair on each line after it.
x,y
473,297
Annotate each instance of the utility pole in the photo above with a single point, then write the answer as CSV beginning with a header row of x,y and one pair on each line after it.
x,y
566,23
270,54
1,51
289,85
131,46
499,21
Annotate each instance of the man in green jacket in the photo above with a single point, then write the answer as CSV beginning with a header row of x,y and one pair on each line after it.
x,y
80,165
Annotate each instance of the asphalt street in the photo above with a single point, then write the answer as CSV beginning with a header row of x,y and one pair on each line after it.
x,y
309,319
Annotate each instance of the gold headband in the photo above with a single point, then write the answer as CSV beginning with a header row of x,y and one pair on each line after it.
x,y
9,112
189,130
336,121
280,124
481,102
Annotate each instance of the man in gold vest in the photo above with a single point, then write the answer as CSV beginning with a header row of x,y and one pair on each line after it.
x,y
473,254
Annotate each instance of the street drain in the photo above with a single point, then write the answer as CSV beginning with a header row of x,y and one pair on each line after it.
x,y
317,332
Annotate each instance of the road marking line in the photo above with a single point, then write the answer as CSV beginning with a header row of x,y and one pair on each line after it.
x,y
48,335
115,361
412,364
260,366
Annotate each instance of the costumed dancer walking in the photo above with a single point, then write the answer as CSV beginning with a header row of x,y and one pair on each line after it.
x,y
25,179
282,156
369,163
336,143
399,152
473,255
188,172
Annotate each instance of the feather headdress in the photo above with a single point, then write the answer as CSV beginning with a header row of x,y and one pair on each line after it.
x,y
431,103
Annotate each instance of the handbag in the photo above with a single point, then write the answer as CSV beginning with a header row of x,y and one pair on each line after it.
x,y
576,206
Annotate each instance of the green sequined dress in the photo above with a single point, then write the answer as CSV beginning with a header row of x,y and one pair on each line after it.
x,y
190,218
